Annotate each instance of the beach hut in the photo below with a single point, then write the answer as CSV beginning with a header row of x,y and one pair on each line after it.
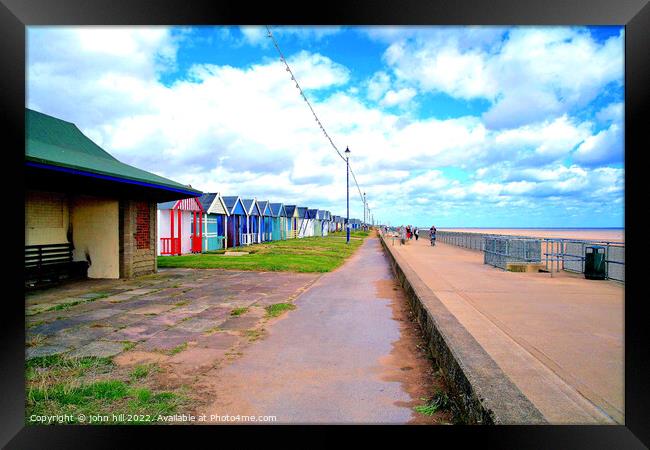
x,y
180,227
87,214
335,223
252,231
310,227
324,222
328,221
279,219
292,221
331,226
302,221
215,222
236,221
316,222
266,221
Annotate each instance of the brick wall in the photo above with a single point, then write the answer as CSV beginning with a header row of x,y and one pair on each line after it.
x,y
137,238
143,232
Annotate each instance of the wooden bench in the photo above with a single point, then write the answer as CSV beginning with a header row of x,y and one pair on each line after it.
x,y
50,263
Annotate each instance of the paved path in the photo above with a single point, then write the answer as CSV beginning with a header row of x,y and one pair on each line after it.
x,y
332,360
559,339
155,313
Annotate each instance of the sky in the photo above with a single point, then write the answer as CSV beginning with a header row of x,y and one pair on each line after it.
x,y
453,126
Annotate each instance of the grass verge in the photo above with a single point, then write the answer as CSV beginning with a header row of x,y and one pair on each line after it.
x,y
314,254
83,388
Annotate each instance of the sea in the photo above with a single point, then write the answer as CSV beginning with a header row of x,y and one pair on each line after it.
x,y
616,234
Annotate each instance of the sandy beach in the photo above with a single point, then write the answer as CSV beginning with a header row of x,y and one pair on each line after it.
x,y
611,235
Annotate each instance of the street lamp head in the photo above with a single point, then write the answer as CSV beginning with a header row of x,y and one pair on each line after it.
x,y
347,152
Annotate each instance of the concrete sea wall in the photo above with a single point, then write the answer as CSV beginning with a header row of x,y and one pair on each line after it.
x,y
480,389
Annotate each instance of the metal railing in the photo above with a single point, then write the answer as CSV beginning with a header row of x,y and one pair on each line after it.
x,y
499,251
474,241
569,255
557,253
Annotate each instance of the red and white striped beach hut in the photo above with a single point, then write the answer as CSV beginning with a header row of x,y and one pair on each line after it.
x,y
180,227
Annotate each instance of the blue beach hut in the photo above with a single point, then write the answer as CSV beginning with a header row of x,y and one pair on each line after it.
x,y
236,222
266,221
252,232
321,230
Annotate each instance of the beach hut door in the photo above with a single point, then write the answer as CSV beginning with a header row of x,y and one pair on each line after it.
x,y
197,232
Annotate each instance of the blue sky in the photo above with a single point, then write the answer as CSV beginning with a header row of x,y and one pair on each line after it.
x,y
455,126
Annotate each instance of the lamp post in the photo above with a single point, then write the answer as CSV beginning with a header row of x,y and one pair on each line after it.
x,y
364,209
347,220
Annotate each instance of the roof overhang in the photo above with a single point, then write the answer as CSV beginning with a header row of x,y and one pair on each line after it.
x,y
43,176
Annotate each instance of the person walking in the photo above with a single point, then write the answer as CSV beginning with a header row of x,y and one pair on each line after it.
x,y
432,235
416,232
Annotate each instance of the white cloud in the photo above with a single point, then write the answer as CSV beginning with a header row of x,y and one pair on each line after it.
x,y
255,35
315,71
445,69
393,98
247,130
602,148
549,141
378,85
550,173
465,37
614,112
551,71
534,74
76,73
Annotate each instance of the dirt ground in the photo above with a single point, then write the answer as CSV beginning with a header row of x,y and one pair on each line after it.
x,y
410,361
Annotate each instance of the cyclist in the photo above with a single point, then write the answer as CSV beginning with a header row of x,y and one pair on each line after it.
x,y
432,234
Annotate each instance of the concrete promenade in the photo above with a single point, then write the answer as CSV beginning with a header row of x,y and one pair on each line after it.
x,y
559,339
341,357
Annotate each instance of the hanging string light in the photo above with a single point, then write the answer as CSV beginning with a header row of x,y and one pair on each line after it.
x,y
302,93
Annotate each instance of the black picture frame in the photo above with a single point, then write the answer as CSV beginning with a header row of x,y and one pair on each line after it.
x,y
15,15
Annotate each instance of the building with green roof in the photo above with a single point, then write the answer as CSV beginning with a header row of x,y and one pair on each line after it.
x,y
79,194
